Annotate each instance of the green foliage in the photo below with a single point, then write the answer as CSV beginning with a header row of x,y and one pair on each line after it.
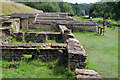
x,y
37,48
83,13
35,69
27,56
11,64
67,8
59,7
107,9
77,8
45,6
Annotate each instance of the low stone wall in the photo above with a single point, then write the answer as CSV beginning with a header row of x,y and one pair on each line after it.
x,y
40,37
89,26
77,27
42,51
53,15
54,18
66,33
84,74
4,32
76,53
45,26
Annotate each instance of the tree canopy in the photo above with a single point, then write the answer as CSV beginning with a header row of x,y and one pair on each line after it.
x,y
106,9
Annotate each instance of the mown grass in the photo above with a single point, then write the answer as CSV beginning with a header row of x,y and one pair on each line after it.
x,y
34,69
102,52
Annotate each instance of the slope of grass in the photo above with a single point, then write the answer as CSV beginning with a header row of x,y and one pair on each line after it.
x,y
12,7
102,52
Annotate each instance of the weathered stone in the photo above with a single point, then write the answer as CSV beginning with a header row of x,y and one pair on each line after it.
x,y
81,74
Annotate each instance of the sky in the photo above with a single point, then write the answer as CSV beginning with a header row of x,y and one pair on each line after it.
x,y
81,1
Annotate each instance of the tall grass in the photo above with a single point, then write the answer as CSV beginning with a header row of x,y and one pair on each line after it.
x,y
12,7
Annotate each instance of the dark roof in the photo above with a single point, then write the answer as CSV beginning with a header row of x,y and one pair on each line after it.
x,y
24,15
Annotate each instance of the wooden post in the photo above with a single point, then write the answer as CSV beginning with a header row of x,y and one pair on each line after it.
x,y
100,30
103,30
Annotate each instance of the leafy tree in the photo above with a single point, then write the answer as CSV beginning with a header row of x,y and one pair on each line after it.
x,y
107,10
67,8
83,12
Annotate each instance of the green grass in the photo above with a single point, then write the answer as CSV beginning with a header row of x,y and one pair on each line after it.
x,y
102,52
86,18
111,21
80,18
12,7
34,69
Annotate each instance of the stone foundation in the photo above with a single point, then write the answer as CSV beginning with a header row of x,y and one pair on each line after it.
x,y
40,37
42,51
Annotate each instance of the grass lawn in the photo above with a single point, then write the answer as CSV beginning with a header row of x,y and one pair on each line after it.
x,y
102,52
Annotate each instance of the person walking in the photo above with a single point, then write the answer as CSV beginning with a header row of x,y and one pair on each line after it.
x,y
73,15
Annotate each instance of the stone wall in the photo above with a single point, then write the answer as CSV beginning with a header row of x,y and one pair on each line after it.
x,y
42,51
78,27
40,37
44,26
66,33
4,32
26,22
84,74
45,14
76,53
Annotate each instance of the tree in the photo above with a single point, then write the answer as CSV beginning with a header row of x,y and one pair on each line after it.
x,y
83,12
67,8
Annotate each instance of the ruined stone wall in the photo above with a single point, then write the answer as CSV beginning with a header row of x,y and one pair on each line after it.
x,y
77,27
84,74
4,32
26,22
37,37
42,51
76,53
44,27
44,55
